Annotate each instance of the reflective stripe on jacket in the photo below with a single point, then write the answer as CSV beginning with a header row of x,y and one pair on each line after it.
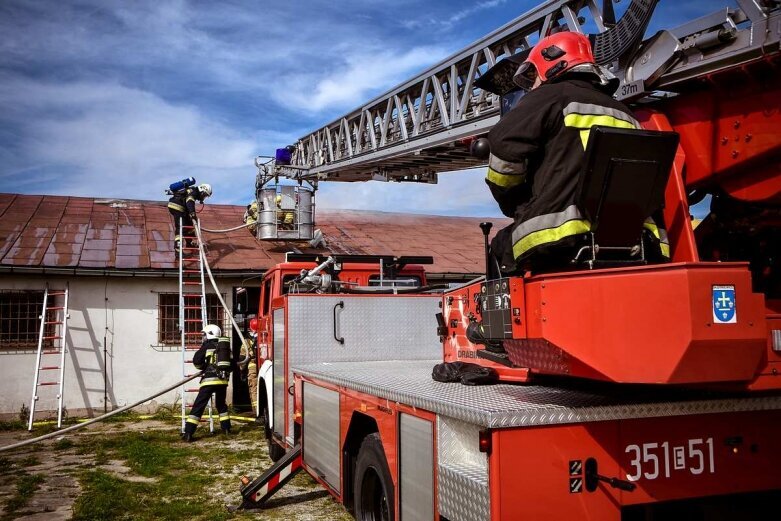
x,y
184,200
537,151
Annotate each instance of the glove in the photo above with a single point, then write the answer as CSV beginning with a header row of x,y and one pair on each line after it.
x,y
193,216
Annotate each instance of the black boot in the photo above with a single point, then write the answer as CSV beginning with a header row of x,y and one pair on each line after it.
x,y
188,437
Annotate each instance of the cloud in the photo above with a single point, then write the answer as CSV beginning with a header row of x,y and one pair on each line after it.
x,y
116,141
350,83
453,19
456,193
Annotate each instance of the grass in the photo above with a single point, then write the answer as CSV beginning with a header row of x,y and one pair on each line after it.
x,y
159,476
26,485
106,496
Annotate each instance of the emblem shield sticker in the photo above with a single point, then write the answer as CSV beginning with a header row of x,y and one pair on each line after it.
x,y
724,305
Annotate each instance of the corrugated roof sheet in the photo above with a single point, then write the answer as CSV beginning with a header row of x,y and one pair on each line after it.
x,y
78,232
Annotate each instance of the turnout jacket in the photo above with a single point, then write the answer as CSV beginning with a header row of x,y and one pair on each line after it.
x,y
183,201
214,359
537,150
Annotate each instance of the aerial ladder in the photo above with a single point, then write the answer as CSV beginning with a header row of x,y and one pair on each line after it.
x,y
713,80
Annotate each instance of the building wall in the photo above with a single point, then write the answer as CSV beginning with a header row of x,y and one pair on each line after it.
x,y
116,313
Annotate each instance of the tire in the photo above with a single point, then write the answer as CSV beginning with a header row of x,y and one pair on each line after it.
x,y
373,497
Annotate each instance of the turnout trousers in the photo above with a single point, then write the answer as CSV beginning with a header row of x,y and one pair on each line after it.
x,y
187,233
200,403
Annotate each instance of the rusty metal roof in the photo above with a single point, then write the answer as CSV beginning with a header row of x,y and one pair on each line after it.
x,y
77,232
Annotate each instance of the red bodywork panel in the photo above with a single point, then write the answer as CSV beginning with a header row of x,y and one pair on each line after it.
x,y
672,458
729,130
583,324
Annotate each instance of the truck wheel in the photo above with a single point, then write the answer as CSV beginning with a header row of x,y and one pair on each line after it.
x,y
373,487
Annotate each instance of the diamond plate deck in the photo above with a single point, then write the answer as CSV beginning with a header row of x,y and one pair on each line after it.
x,y
498,406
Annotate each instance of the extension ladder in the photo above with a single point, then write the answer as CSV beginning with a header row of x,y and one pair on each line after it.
x,y
51,344
192,310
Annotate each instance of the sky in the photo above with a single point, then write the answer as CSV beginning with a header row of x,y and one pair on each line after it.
x,y
117,99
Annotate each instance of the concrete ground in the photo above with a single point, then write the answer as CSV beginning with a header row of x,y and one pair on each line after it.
x,y
55,467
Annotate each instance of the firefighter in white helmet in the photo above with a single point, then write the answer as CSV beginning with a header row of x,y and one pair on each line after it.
x,y
214,359
181,205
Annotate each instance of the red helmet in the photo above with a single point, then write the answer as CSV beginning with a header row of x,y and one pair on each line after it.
x,y
253,325
553,56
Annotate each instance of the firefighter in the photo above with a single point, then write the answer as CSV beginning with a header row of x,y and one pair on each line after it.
x,y
249,364
285,218
182,206
214,359
251,217
536,151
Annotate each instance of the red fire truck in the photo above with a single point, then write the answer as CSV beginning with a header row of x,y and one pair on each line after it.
x,y
626,390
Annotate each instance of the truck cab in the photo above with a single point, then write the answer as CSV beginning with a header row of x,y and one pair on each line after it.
x,y
321,275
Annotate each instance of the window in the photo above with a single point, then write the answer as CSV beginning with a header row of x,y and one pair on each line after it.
x,y
266,296
20,319
168,318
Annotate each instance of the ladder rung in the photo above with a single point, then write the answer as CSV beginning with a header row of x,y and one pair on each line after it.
x,y
54,322
55,307
191,294
191,271
190,248
53,337
193,320
49,368
191,283
192,390
192,307
56,293
192,348
56,352
49,383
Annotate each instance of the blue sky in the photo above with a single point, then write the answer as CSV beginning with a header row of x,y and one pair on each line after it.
x,y
116,99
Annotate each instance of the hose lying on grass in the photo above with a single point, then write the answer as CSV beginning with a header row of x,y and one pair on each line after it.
x,y
99,418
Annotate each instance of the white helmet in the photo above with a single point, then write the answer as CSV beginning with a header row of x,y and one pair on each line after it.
x,y
212,331
205,189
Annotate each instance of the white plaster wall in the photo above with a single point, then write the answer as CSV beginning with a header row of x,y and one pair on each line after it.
x,y
119,313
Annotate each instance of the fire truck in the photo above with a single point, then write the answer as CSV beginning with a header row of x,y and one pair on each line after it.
x,y
626,389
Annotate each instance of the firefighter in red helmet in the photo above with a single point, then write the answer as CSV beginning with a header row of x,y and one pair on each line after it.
x,y
536,151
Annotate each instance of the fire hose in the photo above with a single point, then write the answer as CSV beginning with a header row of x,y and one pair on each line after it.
x,y
99,418
239,227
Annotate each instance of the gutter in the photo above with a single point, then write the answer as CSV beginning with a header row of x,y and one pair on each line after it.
x,y
114,272
174,273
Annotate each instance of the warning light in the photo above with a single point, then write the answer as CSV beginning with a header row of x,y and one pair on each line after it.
x,y
485,441
283,156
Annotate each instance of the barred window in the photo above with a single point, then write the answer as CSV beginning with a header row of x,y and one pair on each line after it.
x,y
168,318
20,319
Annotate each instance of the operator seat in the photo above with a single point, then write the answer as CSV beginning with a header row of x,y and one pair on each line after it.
x,y
622,183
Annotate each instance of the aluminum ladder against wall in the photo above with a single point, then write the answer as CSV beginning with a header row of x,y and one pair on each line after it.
x,y
192,310
54,329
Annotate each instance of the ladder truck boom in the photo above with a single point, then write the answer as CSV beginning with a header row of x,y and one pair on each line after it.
x,y
415,130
